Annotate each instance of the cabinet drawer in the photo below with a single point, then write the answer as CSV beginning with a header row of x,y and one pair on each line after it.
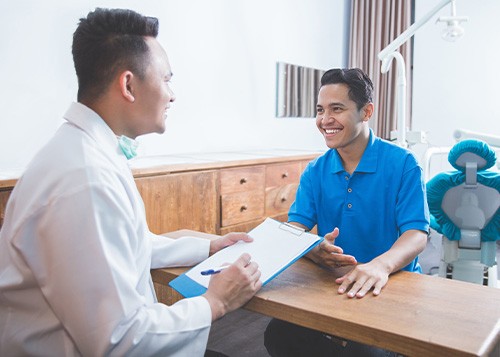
x,y
241,227
283,174
241,207
242,179
279,199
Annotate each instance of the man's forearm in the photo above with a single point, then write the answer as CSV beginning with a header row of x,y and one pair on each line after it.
x,y
410,244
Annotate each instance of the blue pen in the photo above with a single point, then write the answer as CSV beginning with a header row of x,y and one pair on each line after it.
x,y
214,270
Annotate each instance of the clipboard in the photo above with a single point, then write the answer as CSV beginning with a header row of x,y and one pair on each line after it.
x,y
276,245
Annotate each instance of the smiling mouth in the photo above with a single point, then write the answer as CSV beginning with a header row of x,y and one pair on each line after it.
x,y
332,131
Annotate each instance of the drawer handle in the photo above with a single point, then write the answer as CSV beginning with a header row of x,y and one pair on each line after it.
x,y
283,199
284,175
243,180
243,208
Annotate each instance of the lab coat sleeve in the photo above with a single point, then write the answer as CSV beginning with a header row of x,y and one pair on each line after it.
x,y
83,251
189,251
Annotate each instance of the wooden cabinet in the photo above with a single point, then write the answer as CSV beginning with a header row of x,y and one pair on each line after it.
x,y
178,201
213,197
242,194
250,194
4,196
281,184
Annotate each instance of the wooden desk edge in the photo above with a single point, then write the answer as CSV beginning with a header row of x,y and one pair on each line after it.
x,y
161,277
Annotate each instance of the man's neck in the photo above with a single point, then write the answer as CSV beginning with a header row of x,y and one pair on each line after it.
x,y
351,155
107,111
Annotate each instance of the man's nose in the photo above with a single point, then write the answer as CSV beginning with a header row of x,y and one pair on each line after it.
x,y
172,95
327,117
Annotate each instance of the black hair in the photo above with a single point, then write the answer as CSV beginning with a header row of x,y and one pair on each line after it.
x,y
107,41
360,85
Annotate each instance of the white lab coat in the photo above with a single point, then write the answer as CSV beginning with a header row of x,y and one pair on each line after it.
x,y
76,254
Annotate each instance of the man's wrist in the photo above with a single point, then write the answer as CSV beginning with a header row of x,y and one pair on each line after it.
x,y
214,247
313,255
217,307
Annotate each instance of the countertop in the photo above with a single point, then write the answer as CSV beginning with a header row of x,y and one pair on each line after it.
x,y
151,165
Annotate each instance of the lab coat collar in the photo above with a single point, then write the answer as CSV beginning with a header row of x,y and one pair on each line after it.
x,y
91,123
368,162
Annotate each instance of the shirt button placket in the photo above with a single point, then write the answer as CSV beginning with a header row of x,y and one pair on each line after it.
x,y
349,190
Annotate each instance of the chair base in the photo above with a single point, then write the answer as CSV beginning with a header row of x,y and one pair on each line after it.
x,y
467,264
470,271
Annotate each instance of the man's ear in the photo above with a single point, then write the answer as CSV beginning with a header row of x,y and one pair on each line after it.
x,y
368,111
126,81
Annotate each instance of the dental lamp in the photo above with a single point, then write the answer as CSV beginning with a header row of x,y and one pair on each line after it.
x,y
452,32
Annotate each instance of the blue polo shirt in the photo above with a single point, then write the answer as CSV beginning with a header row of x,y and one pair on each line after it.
x,y
384,197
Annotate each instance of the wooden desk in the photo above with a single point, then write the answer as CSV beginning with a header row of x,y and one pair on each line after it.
x,y
416,315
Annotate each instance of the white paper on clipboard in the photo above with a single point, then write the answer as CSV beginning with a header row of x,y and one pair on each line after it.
x,y
275,246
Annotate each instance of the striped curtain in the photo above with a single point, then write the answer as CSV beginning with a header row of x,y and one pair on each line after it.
x,y
374,24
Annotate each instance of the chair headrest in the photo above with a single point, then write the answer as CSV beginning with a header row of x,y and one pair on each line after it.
x,y
472,150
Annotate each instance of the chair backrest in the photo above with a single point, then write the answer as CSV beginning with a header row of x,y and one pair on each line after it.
x,y
464,204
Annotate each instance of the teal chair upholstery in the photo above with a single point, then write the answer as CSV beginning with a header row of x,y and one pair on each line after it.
x,y
464,206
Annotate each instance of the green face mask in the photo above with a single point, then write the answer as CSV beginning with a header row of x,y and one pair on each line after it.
x,y
128,146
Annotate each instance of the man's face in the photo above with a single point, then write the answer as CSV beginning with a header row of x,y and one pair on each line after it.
x,y
153,94
337,116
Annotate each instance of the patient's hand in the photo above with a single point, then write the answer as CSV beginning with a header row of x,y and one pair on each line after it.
x,y
360,280
331,256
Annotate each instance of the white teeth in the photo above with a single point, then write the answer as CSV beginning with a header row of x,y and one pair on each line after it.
x,y
332,131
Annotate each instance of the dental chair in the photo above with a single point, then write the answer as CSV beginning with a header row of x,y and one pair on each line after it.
x,y
464,207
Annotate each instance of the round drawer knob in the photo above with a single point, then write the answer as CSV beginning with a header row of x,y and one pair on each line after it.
x,y
243,208
284,175
243,180
283,199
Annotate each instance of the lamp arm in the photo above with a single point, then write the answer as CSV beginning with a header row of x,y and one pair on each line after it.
x,y
386,56
411,30
401,92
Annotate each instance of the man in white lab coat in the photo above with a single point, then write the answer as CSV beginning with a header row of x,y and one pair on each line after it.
x,y
75,249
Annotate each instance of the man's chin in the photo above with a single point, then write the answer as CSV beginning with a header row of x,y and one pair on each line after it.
x,y
160,129
331,144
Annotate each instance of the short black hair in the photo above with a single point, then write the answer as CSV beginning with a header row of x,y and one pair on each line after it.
x,y
360,85
107,41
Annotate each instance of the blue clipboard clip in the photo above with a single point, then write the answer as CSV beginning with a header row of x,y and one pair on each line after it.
x,y
298,231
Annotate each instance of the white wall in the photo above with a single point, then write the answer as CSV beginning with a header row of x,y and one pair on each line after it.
x,y
457,84
223,54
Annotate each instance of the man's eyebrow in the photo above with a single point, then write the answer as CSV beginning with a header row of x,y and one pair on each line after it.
x,y
331,105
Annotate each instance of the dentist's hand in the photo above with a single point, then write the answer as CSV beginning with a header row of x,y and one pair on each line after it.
x,y
233,287
227,240
329,255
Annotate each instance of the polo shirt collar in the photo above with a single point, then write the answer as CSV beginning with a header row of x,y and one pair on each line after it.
x,y
368,161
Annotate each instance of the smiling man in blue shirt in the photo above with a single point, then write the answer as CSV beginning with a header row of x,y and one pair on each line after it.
x,y
367,197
